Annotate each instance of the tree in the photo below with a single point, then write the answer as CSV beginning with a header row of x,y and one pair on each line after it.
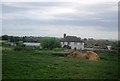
x,y
14,39
5,37
50,43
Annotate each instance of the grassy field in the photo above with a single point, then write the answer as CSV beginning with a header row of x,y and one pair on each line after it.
x,y
44,65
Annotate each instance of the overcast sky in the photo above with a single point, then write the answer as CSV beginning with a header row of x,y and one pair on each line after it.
x,y
83,18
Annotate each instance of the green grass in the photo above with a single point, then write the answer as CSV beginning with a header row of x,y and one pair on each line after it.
x,y
45,65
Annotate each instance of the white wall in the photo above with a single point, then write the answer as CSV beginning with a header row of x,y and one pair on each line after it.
x,y
30,44
88,48
109,47
64,43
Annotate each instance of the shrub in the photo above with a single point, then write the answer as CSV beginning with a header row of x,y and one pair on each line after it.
x,y
58,49
50,43
18,48
44,49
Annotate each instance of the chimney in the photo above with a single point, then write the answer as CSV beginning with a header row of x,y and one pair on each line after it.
x,y
64,35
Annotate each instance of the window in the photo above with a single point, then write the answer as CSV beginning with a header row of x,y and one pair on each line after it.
x,y
68,43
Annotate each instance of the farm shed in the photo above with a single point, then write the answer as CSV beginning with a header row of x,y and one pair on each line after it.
x,y
32,44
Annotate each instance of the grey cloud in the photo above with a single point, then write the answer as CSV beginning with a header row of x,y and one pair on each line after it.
x,y
23,6
111,25
103,18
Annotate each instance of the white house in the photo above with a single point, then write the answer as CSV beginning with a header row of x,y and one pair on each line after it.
x,y
31,44
72,42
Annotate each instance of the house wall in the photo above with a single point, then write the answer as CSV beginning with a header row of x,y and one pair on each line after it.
x,y
88,49
74,45
64,43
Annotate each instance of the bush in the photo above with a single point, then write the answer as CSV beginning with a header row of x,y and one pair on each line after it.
x,y
18,48
58,49
44,49
50,43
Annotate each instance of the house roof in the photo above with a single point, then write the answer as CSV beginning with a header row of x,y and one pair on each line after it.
x,y
71,39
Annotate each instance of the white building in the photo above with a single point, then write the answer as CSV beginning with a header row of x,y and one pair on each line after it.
x,y
31,44
72,42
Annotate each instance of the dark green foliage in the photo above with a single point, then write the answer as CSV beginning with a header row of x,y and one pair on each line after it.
x,y
101,43
20,43
118,43
17,38
18,48
5,37
23,48
115,45
30,39
11,38
58,49
50,43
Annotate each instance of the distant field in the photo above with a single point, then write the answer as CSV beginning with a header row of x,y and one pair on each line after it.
x,y
2,41
45,65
